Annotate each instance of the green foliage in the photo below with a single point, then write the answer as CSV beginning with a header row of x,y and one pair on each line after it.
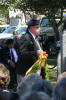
x,y
39,6
5,5
47,77
4,12
46,7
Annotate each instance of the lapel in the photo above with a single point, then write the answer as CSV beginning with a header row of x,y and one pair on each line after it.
x,y
34,42
31,37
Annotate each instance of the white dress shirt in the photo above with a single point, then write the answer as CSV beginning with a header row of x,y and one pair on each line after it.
x,y
14,54
34,36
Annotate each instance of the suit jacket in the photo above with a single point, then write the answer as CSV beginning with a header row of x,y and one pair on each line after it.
x,y
4,55
28,50
10,95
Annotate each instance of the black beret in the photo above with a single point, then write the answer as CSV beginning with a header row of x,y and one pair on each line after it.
x,y
33,22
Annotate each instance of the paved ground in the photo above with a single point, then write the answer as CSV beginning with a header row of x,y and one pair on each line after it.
x,y
53,75
52,62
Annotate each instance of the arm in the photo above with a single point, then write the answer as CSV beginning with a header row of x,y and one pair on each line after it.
x,y
27,49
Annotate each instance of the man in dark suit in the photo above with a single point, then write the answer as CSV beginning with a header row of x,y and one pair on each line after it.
x,y
5,54
7,57
30,48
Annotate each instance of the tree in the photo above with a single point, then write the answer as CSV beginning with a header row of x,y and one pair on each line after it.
x,y
5,5
47,7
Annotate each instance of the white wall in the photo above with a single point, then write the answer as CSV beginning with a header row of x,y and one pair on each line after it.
x,y
14,21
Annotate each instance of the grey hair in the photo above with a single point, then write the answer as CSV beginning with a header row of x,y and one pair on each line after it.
x,y
27,82
35,96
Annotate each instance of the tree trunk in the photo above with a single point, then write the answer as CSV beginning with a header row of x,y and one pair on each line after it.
x,y
55,26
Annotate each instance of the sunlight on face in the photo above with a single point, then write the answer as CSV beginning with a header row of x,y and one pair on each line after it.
x,y
35,29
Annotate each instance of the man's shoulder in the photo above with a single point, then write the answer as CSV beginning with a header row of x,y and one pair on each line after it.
x,y
26,36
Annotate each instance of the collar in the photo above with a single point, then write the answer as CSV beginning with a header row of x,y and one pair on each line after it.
x,y
34,36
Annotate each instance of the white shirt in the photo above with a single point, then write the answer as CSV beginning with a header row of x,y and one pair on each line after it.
x,y
34,36
14,54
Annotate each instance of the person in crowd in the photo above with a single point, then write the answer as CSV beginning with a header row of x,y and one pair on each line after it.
x,y
5,94
30,48
43,86
16,38
15,33
4,77
27,82
35,96
62,75
60,90
34,83
9,58
10,95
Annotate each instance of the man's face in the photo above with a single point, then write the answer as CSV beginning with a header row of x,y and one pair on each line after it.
x,y
35,29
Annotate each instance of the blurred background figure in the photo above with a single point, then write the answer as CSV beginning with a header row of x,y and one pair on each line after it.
x,y
60,90
4,77
15,33
5,94
9,58
43,86
35,96
34,83
62,75
27,83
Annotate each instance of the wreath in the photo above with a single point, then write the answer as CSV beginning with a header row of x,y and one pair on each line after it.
x,y
41,62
